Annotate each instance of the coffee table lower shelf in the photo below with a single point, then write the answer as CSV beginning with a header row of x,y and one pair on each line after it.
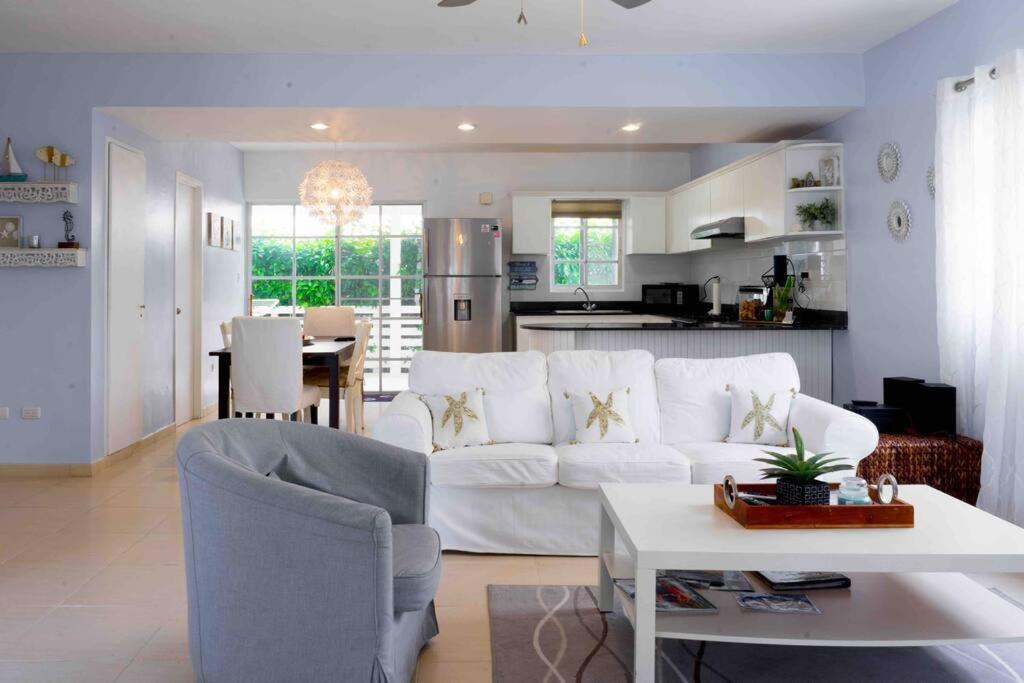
x,y
880,610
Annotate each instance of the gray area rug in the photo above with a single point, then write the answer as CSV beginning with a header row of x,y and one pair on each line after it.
x,y
555,634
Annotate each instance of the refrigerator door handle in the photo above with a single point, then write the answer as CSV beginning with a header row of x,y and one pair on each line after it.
x,y
422,293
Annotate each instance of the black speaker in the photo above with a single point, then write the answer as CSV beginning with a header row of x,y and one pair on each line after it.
x,y
900,391
781,267
934,409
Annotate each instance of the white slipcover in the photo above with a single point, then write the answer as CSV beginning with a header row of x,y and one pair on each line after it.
x,y
516,465
266,366
584,466
515,389
603,371
693,401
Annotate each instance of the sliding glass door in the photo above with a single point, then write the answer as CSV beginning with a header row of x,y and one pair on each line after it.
x,y
374,265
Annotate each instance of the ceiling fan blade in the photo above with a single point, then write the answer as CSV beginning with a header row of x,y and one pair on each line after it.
x,y
630,4
455,3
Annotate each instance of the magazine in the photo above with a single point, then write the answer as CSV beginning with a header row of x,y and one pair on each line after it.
x,y
673,596
778,604
802,581
716,581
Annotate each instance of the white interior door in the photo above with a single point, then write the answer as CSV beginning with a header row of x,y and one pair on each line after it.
x,y
126,242
187,299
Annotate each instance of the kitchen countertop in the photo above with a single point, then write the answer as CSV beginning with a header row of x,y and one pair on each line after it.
x,y
674,326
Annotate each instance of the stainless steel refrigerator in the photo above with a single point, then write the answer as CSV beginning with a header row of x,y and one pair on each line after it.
x,y
461,296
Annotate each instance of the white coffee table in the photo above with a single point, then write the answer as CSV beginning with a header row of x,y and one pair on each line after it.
x,y
908,586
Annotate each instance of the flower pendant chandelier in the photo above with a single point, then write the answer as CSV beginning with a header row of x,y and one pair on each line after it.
x,y
335,192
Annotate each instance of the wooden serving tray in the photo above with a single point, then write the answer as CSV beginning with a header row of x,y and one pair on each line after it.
x,y
895,515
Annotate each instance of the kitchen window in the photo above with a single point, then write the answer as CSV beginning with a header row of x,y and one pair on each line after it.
x,y
374,264
586,244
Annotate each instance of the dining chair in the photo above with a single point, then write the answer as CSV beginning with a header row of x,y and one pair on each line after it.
x,y
332,322
225,333
266,368
350,381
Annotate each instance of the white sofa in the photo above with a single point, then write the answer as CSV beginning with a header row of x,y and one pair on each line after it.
x,y
533,492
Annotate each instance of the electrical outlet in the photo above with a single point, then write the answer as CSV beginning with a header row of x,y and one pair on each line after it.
x,y
5,413
31,413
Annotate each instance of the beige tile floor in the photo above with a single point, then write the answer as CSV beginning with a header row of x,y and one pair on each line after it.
x,y
92,581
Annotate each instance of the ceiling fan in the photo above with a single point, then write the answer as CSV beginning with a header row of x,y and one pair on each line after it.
x,y
627,4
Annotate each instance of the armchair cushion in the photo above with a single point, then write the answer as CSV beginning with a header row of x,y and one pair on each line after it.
x,y
416,565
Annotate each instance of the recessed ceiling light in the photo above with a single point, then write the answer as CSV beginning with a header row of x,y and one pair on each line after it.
x,y
631,127
319,126
467,127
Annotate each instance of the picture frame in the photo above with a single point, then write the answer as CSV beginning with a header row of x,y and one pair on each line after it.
x,y
213,230
828,171
226,233
10,231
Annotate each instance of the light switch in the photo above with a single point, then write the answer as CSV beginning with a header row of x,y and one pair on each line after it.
x,y
486,198
31,413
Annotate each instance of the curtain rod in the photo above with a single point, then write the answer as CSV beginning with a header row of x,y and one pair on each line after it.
x,y
960,86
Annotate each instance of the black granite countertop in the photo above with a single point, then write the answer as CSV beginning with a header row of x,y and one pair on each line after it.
x,y
676,326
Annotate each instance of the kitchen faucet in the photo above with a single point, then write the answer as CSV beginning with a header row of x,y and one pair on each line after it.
x,y
587,306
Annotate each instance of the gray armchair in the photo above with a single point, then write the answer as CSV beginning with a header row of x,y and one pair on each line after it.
x,y
307,555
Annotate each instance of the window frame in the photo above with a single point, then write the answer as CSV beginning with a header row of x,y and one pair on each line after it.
x,y
379,318
584,260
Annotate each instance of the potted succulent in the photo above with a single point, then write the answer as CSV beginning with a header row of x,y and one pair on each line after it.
x,y
797,475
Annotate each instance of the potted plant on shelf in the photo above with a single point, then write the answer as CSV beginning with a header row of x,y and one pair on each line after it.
x,y
797,475
817,215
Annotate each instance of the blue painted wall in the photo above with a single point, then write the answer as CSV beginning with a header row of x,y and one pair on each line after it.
x,y
892,287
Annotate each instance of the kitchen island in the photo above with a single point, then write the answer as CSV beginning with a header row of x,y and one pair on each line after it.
x,y
810,344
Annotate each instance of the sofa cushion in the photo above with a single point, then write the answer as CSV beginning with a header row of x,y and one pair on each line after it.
x,y
574,372
693,400
516,402
458,420
505,464
711,461
604,418
416,565
584,466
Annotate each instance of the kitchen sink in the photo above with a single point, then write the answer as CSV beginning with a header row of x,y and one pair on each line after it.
x,y
603,311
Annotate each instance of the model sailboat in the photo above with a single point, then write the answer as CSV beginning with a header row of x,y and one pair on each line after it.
x,y
10,171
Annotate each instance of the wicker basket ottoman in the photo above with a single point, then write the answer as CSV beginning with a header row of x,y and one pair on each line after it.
x,y
949,464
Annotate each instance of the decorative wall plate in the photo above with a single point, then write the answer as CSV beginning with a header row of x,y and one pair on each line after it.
x,y
931,180
899,220
889,161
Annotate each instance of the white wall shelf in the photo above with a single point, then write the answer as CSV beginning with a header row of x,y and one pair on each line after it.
x,y
43,258
830,188
39,193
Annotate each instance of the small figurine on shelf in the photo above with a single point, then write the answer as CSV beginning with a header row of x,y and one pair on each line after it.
x,y
69,232
10,171
51,156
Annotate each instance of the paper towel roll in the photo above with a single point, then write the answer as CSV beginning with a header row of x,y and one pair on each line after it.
x,y
716,298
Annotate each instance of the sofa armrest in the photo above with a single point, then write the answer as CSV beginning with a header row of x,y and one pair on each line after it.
x,y
828,428
406,423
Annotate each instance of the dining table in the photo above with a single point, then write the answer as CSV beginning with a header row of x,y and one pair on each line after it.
x,y
319,352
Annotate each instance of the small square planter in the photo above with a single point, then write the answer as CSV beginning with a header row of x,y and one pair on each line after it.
x,y
792,492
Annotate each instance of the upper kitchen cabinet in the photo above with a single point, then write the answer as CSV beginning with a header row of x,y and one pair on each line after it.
x,y
645,224
531,224
726,196
763,182
688,207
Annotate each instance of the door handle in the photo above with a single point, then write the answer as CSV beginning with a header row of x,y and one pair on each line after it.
x,y
177,311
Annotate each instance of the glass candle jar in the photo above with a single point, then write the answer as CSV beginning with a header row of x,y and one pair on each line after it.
x,y
854,491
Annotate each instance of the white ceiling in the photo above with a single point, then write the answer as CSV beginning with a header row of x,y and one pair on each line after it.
x,y
486,27
522,129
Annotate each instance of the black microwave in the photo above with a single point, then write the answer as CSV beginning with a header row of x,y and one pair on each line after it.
x,y
671,294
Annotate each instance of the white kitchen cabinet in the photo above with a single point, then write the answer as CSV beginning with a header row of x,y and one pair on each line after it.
x,y
531,224
688,208
645,224
765,197
726,196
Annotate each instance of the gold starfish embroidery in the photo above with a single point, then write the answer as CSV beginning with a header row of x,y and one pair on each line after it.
x,y
456,411
761,414
602,412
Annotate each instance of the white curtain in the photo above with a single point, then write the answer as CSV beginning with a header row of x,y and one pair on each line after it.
x,y
980,269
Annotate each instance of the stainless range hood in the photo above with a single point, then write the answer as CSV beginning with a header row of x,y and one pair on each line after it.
x,y
725,228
